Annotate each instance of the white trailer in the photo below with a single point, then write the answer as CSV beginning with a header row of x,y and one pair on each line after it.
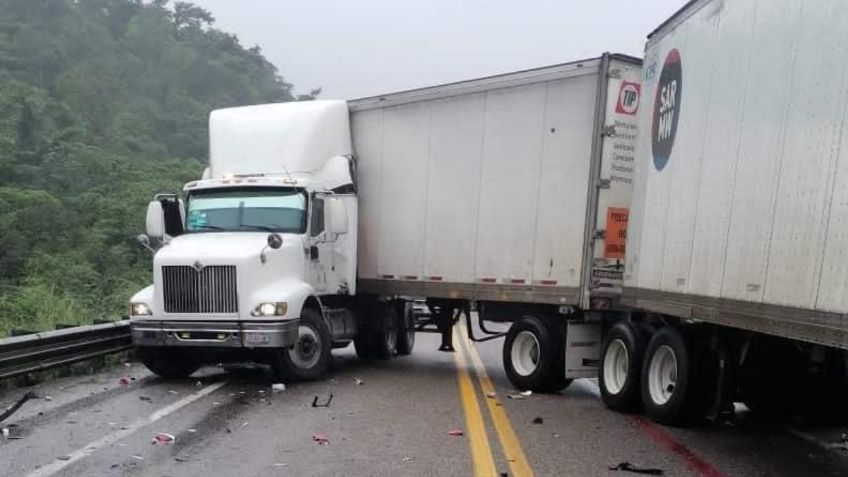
x,y
507,194
737,236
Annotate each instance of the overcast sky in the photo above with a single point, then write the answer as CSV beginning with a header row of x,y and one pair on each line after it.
x,y
356,48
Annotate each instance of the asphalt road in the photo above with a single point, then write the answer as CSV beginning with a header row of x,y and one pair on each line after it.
x,y
396,422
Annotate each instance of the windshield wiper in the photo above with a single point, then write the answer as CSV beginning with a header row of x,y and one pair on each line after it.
x,y
258,227
210,227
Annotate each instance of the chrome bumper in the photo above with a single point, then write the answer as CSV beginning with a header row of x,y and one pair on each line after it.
x,y
215,334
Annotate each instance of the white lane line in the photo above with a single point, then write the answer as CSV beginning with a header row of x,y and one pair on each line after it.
x,y
87,450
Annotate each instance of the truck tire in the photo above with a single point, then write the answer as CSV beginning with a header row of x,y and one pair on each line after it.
x,y
620,374
310,357
673,387
363,343
534,356
168,363
405,328
385,331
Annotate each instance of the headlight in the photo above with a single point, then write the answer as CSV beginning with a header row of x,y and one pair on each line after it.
x,y
270,309
140,309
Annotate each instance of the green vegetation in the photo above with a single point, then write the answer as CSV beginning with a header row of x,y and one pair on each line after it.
x,y
102,104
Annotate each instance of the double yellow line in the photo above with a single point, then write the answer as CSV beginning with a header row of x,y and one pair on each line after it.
x,y
481,452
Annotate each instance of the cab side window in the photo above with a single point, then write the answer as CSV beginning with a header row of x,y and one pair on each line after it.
x,y
316,225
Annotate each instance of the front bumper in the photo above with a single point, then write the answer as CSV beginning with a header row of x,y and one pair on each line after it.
x,y
215,334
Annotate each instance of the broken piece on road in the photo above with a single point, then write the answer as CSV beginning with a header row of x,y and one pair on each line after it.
x,y
163,438
455,432
628,467
321,439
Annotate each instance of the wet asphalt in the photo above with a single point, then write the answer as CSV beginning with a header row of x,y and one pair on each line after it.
x,y
394,421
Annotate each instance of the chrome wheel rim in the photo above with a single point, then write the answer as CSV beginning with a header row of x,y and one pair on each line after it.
x,y
307,351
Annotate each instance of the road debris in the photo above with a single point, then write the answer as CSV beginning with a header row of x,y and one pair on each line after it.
x,y
5,432
456,432
278,387
48,398
245,424
199,383
358,381
124,381
538,420
181,459
321,439
171,391
137,457
628,467
192,431
491,395
64,457
516,396
408,459
281,464
145,399
164,439
326,404
17,405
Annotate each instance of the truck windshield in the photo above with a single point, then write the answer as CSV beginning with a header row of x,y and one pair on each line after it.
x,y
247,209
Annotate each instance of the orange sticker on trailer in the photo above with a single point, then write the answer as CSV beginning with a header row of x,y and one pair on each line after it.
x,y
616,232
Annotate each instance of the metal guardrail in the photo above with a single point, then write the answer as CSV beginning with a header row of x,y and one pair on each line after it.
x,y
40,351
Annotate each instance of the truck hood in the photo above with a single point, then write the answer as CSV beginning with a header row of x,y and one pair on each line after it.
x,y
220,248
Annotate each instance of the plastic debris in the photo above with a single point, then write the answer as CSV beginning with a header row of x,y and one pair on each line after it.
x,y
163,439
526,393
321,439
48,398
326,404
124,381
192,431
278,387
516,396
491,395
198,383
145,399
628,467
358,381
128,364
538,420
281,464
245,424
137,457
456,432
181,459
408,459
64,457
171,391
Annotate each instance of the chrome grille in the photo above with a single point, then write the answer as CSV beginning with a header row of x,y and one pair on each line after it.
x,y
211,289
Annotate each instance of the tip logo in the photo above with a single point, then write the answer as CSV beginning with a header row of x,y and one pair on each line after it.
x,y
666,109
628,98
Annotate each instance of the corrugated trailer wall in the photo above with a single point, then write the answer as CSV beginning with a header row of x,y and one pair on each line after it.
x,y
745,221
485,185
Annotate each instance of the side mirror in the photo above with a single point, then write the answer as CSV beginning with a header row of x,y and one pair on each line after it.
x,y
336,215
155,225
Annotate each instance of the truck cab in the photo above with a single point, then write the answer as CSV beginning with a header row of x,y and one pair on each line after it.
x,y
244,257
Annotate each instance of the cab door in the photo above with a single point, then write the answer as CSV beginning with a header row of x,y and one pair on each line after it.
x,y
320,254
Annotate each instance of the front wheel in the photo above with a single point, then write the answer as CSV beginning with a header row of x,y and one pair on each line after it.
x,y
534,356
310,356
168,363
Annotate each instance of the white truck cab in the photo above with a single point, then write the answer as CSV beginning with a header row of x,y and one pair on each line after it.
x,y
246,255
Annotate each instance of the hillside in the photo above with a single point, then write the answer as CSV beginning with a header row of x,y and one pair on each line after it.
x,y
104,103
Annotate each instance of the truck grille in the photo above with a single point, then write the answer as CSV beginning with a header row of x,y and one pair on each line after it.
x,y
211,289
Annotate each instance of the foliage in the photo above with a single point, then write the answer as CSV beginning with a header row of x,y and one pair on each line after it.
x,y
104,103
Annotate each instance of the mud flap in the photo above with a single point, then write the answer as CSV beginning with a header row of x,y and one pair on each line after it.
x,y
582,350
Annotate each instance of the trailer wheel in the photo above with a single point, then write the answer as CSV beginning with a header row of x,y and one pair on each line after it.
x,y
310,357
533,356
671,380
168,363
406,327
621,367
385,332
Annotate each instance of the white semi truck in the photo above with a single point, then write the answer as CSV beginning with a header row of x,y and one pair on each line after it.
x,y
317,222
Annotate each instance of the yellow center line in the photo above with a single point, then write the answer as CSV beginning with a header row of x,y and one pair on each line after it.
x,y
481,452
518,464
